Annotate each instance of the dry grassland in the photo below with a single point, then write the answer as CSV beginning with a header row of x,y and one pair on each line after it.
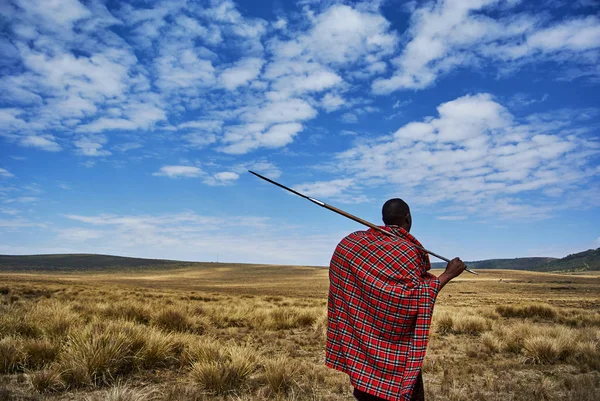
x,y
253,332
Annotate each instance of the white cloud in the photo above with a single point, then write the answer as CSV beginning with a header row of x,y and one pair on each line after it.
x,y
244,138
17,223
222,178
349,118
45,142
92,146
126,147
190,236
106,124
342,35
452,218
294,77
280,135
400,104
22,199
80,234
332,102
281,23
325,188
200,133
280,111
479,157
185,73
199,139
204,125
56,13
5,173
179,171
263,167
454,33
227,176
576,35
241,73
221,69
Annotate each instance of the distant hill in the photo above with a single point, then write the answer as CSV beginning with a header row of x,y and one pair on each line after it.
x,y
582,261
511,264
83,261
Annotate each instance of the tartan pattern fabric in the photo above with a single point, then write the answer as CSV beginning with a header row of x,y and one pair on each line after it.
x,y
380,304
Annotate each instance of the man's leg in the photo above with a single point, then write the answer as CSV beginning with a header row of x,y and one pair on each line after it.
x,y
419,391
362,396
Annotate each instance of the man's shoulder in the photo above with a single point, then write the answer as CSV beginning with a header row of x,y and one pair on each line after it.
x,y
356,236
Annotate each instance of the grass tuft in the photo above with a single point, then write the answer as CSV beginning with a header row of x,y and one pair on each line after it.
x,y
46,380
472,325
227,373
40,352
542,311
12,356
444,323
128,311
158,350
543,350
172,320
280,373
94,356
492,342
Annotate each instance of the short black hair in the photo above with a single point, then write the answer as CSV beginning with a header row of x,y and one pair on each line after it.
x,y
394,212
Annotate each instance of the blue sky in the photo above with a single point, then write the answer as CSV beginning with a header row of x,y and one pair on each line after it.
x,y
127,127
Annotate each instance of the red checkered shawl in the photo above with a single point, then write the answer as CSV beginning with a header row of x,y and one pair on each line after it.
x,y
379,311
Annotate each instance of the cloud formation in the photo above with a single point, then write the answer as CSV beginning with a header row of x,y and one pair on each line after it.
x,y
479,157
142,69
196,86
5,173
451,34
179,172
191,236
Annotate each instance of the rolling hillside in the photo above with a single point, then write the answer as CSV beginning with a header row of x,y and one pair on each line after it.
x,y
511,264
82,261
582,261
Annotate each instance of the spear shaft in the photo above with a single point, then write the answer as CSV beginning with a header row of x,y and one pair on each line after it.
x,y
348,215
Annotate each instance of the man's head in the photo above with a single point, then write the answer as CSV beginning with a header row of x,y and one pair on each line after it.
x,y
396,212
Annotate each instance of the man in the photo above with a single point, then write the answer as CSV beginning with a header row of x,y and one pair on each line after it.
x,y
381,299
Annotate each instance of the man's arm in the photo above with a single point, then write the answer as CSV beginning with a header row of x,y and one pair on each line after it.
x,y
454,268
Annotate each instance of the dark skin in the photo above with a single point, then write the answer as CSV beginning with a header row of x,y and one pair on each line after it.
x,y
454,268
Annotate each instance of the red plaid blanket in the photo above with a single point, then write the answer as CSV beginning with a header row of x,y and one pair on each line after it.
x,y
379,311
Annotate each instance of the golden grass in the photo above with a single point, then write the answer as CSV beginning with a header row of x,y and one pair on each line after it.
x,y
12,356
280,374
527,311
227,372
233,333
46,380
95,356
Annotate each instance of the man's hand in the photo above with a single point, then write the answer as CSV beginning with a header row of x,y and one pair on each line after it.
x,y
454,269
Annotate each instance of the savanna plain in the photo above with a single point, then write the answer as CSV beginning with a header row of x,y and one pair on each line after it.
x,y
257,332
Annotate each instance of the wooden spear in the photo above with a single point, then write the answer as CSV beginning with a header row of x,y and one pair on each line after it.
x,y
350,216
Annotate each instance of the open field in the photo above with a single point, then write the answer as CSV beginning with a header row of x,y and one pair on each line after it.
x,y
251,332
